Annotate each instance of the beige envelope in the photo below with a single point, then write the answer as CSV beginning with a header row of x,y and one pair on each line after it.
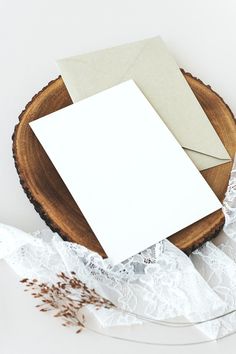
x,y
156,73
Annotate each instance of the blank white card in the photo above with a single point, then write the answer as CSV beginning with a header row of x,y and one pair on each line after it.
x,y
130,177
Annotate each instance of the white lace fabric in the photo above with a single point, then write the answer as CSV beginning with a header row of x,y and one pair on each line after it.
x,y
161,283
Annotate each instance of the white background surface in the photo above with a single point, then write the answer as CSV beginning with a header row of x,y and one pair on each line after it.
x,y
201,35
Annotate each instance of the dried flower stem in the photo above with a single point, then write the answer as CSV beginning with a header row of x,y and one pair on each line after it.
x,y
60,297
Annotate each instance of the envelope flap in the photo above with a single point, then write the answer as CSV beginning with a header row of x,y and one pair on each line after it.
x,y
90,73
159,78
156,73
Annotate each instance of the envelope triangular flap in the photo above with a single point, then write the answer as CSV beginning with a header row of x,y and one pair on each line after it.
x,y
98,71
156,73
159,78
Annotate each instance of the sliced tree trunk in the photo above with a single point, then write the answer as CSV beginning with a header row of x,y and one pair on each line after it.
x,y
52,200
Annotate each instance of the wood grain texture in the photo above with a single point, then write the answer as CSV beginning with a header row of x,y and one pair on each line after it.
x,y
50,197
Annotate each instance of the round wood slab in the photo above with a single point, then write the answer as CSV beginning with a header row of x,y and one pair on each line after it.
x,y
50,197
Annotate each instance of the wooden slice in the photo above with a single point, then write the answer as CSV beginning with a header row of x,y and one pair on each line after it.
x,y
52,200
